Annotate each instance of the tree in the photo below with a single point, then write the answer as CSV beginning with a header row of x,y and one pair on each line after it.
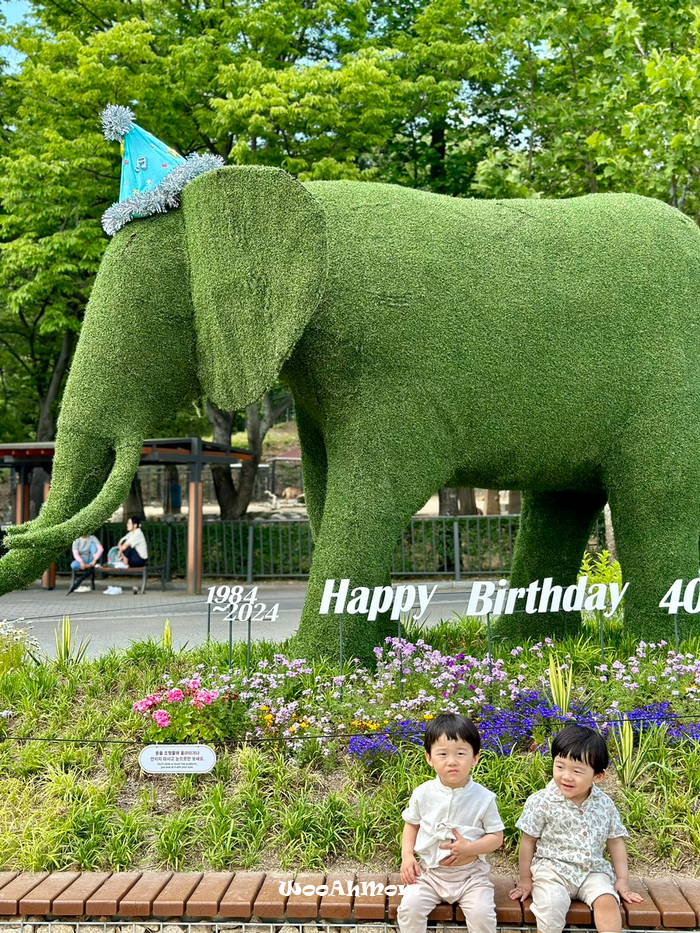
x,y
603,97
234,500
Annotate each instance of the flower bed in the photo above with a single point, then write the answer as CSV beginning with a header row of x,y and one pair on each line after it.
x,y
513,699
314,766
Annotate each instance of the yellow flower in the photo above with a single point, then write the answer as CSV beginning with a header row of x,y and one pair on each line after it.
x,y
304,725
427,716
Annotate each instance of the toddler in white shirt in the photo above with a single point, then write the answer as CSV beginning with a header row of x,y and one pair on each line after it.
x,y
451,823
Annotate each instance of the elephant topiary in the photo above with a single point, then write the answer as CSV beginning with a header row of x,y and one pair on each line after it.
x,y
548,346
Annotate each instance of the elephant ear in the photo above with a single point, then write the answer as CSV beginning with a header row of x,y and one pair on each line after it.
x,y
256,242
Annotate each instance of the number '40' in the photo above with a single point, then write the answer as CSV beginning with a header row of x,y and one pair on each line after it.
x,y
677,598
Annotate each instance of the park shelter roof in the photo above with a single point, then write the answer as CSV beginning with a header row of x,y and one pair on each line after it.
x,y
186,450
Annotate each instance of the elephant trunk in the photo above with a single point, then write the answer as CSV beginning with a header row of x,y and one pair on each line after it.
x,y
79,502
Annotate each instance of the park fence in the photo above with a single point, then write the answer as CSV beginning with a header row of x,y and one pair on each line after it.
x,y
463,546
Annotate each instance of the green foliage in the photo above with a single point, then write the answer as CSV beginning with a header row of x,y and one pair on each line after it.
x,y
600,568
319,91
67,652
632,764
450,636
561,676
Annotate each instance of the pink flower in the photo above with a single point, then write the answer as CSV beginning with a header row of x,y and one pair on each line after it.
x,y
203,697
161,718
142,706
174,695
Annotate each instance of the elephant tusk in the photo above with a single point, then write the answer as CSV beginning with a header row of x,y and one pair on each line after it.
x,y
102,507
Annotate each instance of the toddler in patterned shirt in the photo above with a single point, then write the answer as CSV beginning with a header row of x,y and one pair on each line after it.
x,y
565,828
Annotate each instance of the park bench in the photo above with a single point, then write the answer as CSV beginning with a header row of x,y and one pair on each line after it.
x,y
141,573
255,896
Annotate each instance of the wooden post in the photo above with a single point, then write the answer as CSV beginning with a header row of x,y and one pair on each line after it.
x,y
22,496
48,577
194,531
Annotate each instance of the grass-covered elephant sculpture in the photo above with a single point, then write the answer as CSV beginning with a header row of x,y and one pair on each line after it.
x,y
548,346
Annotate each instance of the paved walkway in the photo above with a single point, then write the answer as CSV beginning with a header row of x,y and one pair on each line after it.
x,y
117,620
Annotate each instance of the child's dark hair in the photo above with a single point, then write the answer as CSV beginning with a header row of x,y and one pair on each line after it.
x,y
452,726
135,520
582,744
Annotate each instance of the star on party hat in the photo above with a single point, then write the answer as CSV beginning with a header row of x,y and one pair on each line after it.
x,y
153,174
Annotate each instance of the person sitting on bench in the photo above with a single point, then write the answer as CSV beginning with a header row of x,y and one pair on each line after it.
x,y
87,550
133,550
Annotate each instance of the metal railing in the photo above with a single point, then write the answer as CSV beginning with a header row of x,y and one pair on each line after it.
x,y
261,550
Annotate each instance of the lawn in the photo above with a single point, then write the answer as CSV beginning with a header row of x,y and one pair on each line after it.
x,y
315,766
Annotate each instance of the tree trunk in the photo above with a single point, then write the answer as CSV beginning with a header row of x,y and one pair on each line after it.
x,y
438,146
493,504
514,502
234,502
224,487
134,501
457,501
46,426
609,532
448,501
172,478
466,501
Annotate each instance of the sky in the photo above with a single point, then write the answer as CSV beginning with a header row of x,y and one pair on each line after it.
x,y
14,10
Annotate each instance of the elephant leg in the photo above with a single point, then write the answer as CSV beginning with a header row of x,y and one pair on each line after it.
x,y
366,508
655,505
554,530
314,464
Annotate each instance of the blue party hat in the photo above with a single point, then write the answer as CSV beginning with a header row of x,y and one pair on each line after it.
x,y
153,174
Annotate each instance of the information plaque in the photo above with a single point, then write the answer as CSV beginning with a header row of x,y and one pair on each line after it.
x,y
177,759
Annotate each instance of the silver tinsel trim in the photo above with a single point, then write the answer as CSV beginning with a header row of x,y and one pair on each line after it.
x,y
116,122
163,197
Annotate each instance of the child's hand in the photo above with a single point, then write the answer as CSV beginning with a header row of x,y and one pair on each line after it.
x,y
623,889
409,870
523,891
459,852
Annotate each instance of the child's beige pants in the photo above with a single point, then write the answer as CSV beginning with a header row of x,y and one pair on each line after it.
x,y
552,895
469,885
